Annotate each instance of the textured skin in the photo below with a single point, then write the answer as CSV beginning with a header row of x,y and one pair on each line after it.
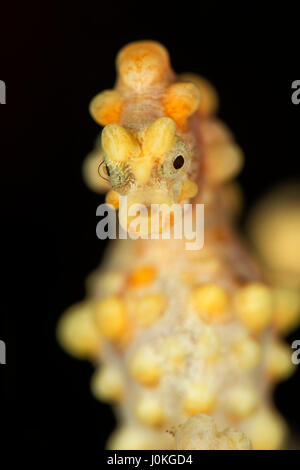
x,y
178,334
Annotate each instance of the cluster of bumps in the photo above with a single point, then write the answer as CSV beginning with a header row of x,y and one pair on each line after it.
x,y
179,344
215,335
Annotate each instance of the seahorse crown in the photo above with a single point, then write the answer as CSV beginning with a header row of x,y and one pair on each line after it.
x,y
145,88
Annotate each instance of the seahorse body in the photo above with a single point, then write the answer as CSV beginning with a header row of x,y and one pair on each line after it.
x,y
185,339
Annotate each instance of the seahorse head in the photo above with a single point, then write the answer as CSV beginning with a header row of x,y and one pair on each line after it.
x,y
147,148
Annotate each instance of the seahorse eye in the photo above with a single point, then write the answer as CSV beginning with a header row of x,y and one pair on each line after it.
x,y
103,170
107,170
178,162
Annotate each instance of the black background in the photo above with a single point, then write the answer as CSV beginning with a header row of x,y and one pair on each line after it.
x,y
54,58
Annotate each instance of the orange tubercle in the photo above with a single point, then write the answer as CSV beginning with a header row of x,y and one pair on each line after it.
x,y
142,276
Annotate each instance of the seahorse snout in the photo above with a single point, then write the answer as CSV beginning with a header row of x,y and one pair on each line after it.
x,y
147,212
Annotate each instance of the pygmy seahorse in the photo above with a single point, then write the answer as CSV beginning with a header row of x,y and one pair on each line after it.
x,y
186,341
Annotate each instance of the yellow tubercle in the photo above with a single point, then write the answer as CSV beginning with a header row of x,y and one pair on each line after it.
x,y
142,65
149,308
247,352
144,367
266,430
210,302
107,384
112,198
180,101
208,103
159,137
189,189
224,162
199,398
253,306
278,361
118,143
274,228
76,332
242,401
149,411
111,317
128,438
286,315
106,107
